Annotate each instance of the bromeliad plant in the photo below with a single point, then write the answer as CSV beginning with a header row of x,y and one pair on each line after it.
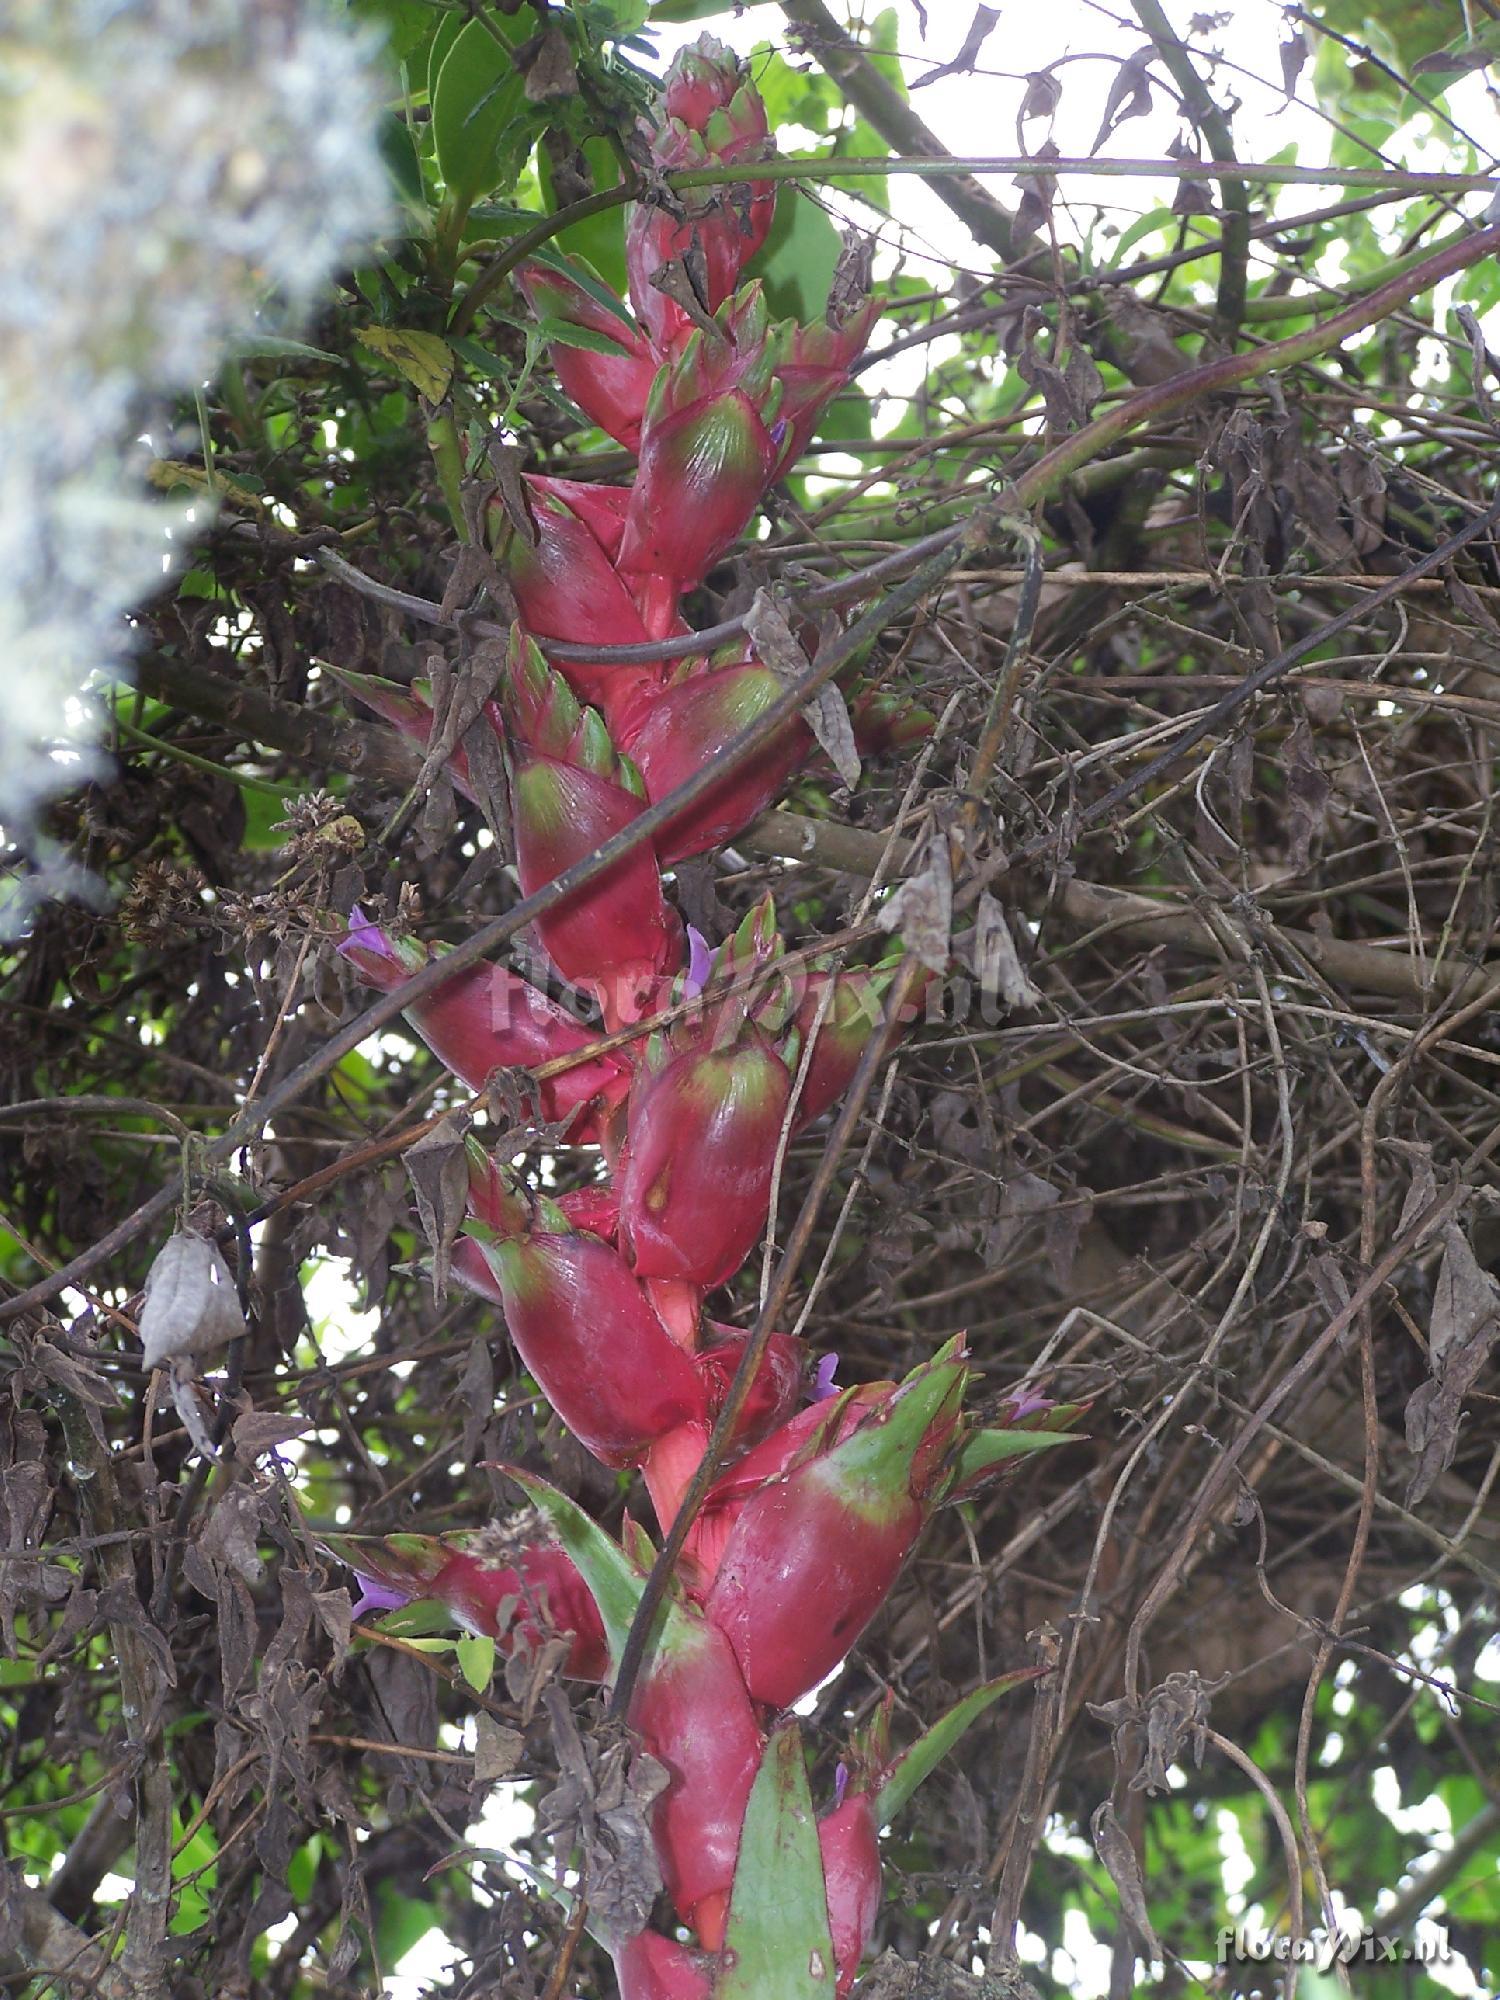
x,y
823,1492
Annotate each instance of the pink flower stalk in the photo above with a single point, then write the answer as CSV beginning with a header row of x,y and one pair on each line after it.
x,y
512,1583
695,1181
713,116
487,1018
609,387
570,792
586,1331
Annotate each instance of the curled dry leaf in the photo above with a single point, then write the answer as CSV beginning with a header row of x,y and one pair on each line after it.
x,y
827,714
1465,1321
996,960
191,1305
922,908
1112,1845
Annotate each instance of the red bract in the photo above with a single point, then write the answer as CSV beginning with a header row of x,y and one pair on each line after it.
x,y
815,1550
585,1330
514,1584
571,792
851,1878
567,587
774,1388
852,1015
409,710
692,1711
812,365
696,1177
685,726
487,1017
610,388
710,447
651,1967
714,116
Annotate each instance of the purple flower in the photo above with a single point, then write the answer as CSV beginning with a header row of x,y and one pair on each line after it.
x,y
366,936
824,1385
376,1596
1026,1404
700,964
840,1783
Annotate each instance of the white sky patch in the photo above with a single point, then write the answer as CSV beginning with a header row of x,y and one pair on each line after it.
x,y
332,1298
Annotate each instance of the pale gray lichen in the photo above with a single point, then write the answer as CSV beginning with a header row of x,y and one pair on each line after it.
x,y
175,175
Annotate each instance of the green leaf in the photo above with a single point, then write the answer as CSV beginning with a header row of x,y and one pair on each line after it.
x,y
680,11
423,358
566,334
598,239
799,259
480,359
407,24
401,1923
272,347
917,1763
984,1449
777,1939
476,1660
480,96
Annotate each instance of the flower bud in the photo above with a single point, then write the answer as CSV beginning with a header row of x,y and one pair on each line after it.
x,y
815,1550
695,1181
713,115
567,587
585,1330
850,1848
707,455
683,728
510,1582
487,1018
652,1967
570,792
608,373
691,1710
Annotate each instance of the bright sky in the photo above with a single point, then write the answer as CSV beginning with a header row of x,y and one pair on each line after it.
x,y
977,114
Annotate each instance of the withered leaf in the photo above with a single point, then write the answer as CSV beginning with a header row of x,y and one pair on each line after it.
x,y
1308,792
1464,1324
1043,94
260,1431
438,1168
1129,94
229,1531
996,960
1022,1199
1038,192
985,18
476,1396
547,62
1112,1845
922,908
497,1750
827,714
1294,54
